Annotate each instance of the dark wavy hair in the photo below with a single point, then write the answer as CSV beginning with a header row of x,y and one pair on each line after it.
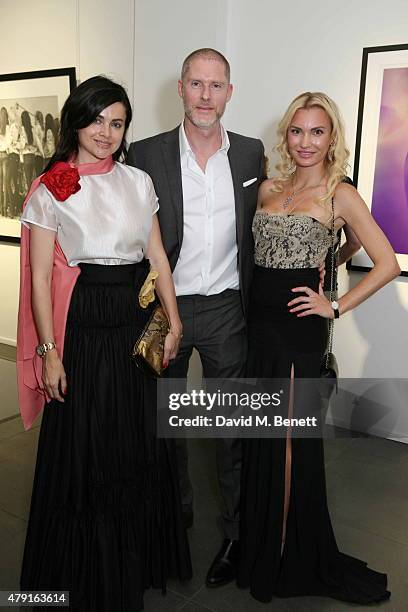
x,y
50,125
26,123
82,107
40,118
4,120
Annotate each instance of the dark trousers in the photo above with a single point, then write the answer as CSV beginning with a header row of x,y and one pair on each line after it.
x,y
3,183
39,165
214,325
12,184
29,168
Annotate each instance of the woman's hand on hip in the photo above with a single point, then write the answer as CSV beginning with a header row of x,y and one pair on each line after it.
x,y
311,304
53,375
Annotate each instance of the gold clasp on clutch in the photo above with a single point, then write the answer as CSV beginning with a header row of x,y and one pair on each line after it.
x,y
146,293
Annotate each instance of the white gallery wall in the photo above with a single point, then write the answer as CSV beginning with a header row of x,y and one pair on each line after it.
x,y
95,37
276,51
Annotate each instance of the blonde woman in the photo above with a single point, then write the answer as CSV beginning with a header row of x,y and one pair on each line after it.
x,y
287,542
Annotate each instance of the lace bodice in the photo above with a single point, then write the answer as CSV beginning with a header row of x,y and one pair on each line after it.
x,y
289,241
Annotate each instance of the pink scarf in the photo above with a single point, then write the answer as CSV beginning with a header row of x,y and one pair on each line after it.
x,y
31,392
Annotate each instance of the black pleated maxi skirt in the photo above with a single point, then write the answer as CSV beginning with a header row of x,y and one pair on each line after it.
x,y
310,562
105,520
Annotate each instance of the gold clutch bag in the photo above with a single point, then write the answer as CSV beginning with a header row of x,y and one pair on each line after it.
x,y
148,350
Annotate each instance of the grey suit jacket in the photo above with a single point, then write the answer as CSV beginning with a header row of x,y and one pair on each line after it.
x,y
159,156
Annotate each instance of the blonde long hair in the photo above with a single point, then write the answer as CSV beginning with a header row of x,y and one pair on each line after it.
x,y
338,154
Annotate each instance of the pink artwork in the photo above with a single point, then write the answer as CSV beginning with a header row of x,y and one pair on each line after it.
x,y
390,187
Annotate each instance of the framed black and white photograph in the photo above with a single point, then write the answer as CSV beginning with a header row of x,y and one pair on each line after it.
x,y
381,157
30,107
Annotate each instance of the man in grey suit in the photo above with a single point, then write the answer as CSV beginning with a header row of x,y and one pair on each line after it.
x,y
207,181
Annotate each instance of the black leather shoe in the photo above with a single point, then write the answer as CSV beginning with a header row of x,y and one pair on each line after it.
x,y
224,567
188,517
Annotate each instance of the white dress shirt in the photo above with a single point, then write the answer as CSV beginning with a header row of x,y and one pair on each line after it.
x,y
108,221
207,263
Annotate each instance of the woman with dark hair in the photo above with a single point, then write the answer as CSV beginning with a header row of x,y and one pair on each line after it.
x,y
28,148
13,163
39,135
4,135
57,127
50,139
105,520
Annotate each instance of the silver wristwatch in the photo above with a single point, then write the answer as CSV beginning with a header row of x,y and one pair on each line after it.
x,y
335,306
44,348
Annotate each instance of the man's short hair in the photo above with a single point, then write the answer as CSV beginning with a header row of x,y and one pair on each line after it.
x,y
206,53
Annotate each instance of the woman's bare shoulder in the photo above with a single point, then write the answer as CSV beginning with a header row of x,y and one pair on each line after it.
x,y
266,191
345,192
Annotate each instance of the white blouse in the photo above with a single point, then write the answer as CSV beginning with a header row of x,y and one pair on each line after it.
x,y
108,221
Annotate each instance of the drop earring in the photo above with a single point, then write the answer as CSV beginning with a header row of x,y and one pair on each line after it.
x,y
330,153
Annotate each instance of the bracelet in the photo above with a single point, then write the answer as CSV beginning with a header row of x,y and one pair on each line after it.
x,y
42,349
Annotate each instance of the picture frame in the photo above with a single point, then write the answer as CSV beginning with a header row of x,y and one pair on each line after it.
x,y
381,153
30,107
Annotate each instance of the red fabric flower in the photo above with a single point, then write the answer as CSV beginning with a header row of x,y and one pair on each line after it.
x,y
62,180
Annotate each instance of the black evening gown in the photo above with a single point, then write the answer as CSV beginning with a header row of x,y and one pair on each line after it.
x,y
105,520
310,563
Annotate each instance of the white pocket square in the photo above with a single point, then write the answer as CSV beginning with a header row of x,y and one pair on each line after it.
x,y
246,183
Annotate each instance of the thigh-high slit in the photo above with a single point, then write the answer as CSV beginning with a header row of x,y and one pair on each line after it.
x,y
295,554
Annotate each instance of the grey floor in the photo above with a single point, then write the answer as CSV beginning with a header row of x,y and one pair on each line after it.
x,y
368,498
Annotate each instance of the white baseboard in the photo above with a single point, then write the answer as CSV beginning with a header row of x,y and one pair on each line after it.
x,y
396,436
9,341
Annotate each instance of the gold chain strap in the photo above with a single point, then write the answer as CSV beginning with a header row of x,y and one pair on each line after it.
x,y
332,290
